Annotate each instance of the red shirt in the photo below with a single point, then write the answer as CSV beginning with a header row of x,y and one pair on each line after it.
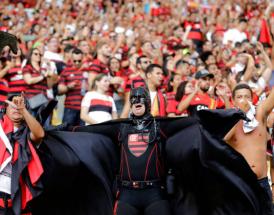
x,y
3,93
171,103
135,82
35,89
16,81
73,96
200,102
98,67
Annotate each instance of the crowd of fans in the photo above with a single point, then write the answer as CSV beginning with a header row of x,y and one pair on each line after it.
x,y
88,54
190,54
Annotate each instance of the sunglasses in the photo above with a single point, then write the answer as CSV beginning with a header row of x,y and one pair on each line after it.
x,y
146,62
77,61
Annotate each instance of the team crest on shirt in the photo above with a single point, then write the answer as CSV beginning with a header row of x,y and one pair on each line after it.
x,y
138,143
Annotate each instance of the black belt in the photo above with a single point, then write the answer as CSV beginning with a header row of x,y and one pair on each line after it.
x,y
140,184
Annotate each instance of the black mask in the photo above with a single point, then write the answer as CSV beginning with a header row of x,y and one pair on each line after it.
x,y
140,95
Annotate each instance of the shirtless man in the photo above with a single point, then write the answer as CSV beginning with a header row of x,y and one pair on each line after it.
x,y
250,138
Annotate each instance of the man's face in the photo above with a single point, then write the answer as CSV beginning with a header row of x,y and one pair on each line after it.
x,y
53,44
138,109
242,99
145,62
210,60
156,76
212,68
184,69
204,83
243,26
147,47
84,46
105,50
77,60
13,113
207,46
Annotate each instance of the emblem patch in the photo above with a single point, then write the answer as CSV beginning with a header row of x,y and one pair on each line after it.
x,y
138,143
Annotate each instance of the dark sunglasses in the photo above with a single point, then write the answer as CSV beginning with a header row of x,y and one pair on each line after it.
x,y
77,61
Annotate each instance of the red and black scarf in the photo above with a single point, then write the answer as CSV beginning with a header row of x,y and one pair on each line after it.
x,y
26,166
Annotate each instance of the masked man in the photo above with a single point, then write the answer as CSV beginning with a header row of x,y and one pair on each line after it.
x,y
137,153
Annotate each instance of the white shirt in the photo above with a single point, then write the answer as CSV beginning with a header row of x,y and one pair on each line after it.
x,y
234,35
101,106
152,96
5,174
5,179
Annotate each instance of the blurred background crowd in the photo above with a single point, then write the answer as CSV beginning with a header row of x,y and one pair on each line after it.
x,y
88,54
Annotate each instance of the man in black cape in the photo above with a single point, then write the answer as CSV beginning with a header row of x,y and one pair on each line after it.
x,y
211,177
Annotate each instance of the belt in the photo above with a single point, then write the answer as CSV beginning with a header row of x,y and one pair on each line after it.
x,y
3,203
141,184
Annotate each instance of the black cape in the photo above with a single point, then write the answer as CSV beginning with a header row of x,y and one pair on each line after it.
x,y
211,177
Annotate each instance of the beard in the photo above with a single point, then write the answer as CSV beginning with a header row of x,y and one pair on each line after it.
x,y
205,89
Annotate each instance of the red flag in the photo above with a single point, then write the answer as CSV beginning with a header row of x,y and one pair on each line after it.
x,y
265,36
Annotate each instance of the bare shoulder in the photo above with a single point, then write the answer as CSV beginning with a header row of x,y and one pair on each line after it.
x,y
229,136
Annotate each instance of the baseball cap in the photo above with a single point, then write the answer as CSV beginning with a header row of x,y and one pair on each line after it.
x,y
203,73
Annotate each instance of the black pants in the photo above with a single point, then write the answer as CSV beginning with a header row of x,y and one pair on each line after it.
x,y
268,195
149,201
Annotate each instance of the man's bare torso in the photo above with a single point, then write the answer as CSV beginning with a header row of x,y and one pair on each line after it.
x,y
252,146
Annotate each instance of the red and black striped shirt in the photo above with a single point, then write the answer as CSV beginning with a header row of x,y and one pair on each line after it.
x,y
3,93
35,89
98,67
73,96
16,81
135,82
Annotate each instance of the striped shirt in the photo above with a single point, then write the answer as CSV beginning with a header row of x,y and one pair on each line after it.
x,y
38,88
100,106
135,82
16,81
3,93
73,96
98,67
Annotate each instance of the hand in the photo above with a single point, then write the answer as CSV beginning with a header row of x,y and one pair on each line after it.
x,y
19,101
85,65
221,91
260,46
72,84
197,86
10,64
46,74
116,80
244,105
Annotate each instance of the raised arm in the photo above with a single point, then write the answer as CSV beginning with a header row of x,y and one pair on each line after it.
x,y
184,103
37,132
266,106
249,68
